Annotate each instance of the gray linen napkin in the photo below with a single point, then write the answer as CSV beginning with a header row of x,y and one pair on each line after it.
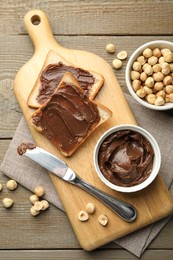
x,y
157,123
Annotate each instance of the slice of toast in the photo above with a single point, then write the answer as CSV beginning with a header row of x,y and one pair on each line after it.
x,y
69,116
35,99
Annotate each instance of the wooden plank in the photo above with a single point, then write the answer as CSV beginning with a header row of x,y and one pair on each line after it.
x,y
17,50
110,17
82,255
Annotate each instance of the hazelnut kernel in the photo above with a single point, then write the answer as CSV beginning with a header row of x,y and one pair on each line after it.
x,y
161,93
90,208
168,57
165,51
161,60
134,75
158,86
152,60
11,185
147,53
136,66
167,80
169,89
117,64
159,101
136,84
148,90
157,52
170,96
141,93
45,204
34,212
110,48
148,70
157,68
33,198
141,60
103,220
39,191
158,76
151,98
149,82
143,76
7,202
83,215
38,206
122,55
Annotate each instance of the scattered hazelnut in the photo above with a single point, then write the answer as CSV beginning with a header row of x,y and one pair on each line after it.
x,y
1,187
90,208
117,64
83,215
7,202
122,55
39,191
110,48
159,101
45,204
33,198
103,220
147,53
34,212
11,185
38,206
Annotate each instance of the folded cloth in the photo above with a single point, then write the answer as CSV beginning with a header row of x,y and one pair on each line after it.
x,y
157,123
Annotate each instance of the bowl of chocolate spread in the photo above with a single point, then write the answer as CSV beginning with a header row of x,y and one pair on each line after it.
x,y
127,158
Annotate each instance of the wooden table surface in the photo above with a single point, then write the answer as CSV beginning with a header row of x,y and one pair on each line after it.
x,y
86,25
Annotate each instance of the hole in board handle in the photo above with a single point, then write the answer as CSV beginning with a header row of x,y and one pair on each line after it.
x,y
35,20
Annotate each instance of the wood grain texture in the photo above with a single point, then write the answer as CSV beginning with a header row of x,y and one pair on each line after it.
x,y
95,236
110,17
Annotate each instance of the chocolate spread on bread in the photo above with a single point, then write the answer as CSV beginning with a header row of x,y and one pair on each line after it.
x,y
24,146
53,74
126,158
67,117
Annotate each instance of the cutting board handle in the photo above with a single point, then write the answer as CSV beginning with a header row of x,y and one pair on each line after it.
x,y
38,27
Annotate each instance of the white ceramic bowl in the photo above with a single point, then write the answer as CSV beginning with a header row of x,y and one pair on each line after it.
x,y
133,57
156,160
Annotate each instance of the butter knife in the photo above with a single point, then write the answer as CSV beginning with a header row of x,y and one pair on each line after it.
x,y
59,168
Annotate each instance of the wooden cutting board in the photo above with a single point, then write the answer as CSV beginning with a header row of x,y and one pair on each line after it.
x,y
152,204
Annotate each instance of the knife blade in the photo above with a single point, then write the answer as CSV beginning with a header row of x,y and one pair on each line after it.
x,y
59,168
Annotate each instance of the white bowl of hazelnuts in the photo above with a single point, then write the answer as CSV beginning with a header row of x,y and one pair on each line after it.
x,y
149,75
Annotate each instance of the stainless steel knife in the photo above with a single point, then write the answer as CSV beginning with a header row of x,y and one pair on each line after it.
x,y
53,164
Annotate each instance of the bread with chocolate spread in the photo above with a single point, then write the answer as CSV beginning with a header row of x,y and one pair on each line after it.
x,y
69,116
55,66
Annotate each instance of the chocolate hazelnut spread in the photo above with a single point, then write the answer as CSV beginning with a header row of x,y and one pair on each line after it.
x,y
126,158
67,117
24,146
53,74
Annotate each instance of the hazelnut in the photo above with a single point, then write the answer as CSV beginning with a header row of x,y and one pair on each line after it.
x,y
1,187
141,59
39,191
148,70
11,185
122,55
90,208
157,52
33,198
103,220
167,80
165,51
141,93
147,53
159,101
7,202
170,96
151,98
45,204
158,76
134,75
83,215
158,86
38,206
117,64
143,76
136,84
157,68
152,60
161,93
149,82
148,90
34,212
136,66
168,57
169,89
161,60
110,48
